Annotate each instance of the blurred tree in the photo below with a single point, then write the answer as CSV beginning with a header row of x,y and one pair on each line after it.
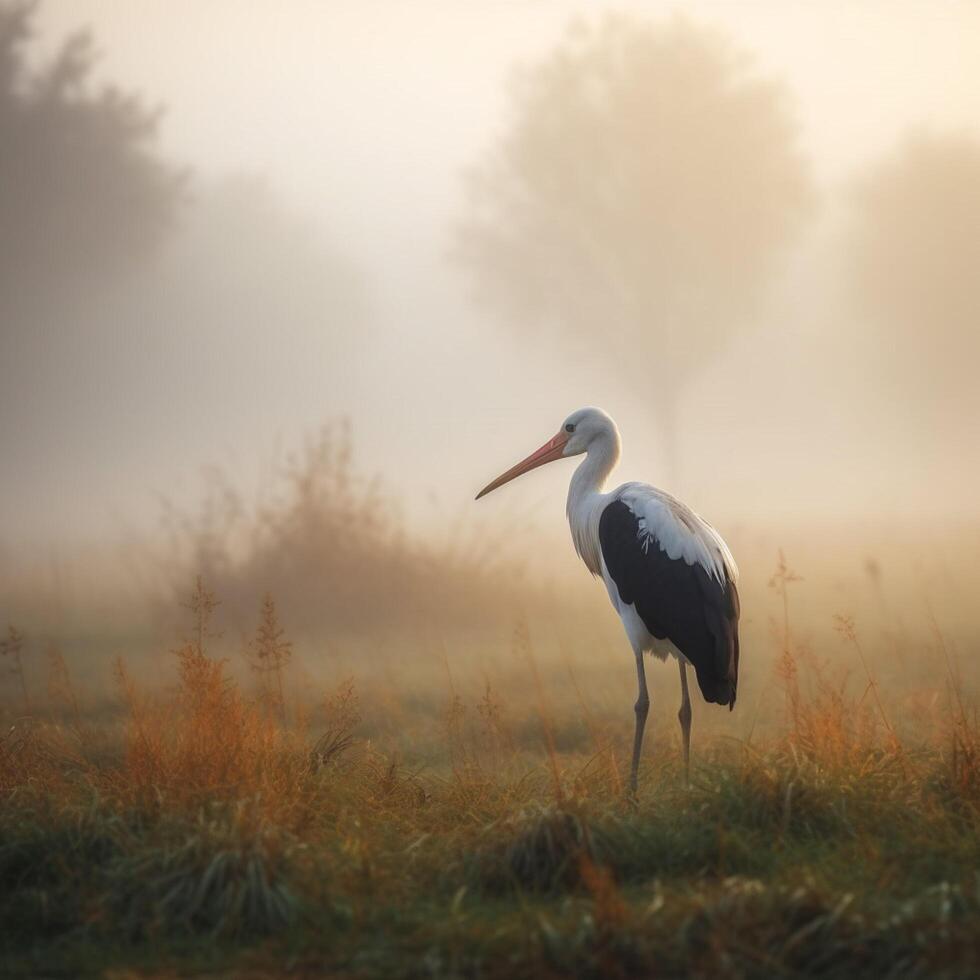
x,y
914,263
637,202
81,190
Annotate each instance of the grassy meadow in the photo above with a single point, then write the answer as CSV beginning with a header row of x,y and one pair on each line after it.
x,y
440,792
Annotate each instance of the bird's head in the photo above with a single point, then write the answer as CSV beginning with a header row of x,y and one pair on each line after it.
x,y
578,433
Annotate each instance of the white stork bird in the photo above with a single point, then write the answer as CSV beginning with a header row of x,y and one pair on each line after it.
x,y
669,574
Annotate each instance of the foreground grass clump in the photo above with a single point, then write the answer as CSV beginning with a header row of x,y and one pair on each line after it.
x,y
222,874
199,832
68,873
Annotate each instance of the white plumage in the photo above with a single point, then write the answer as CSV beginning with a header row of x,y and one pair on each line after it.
x,y
672,526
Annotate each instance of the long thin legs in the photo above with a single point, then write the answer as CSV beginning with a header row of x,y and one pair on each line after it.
x,y
684,717
642,709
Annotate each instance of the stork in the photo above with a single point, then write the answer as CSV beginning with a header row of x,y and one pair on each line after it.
x,y
669,574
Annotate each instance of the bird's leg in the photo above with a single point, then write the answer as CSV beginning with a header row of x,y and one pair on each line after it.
x,y
642,708
684,717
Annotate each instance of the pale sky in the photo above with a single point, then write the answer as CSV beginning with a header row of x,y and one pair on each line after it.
x,y
362,115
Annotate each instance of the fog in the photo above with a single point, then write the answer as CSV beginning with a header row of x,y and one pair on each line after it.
x,y
284,285
312,271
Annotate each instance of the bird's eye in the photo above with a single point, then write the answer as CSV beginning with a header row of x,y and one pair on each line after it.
x,y
569,427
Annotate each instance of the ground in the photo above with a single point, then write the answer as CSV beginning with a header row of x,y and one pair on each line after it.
x,y
458,808
197,835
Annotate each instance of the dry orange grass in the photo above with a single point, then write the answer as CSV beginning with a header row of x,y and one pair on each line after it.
x,y
479,808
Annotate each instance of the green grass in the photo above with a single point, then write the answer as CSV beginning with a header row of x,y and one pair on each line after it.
x,y
766,866
192,833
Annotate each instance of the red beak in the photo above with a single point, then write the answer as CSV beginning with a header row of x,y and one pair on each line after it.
x,y
549,452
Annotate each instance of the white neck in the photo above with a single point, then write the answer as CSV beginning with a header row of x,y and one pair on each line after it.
x,y
585,496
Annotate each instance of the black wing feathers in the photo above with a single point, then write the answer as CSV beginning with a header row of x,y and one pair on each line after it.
x,y
676,601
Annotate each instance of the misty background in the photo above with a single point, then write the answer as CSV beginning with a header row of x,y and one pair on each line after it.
x,y
751,232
